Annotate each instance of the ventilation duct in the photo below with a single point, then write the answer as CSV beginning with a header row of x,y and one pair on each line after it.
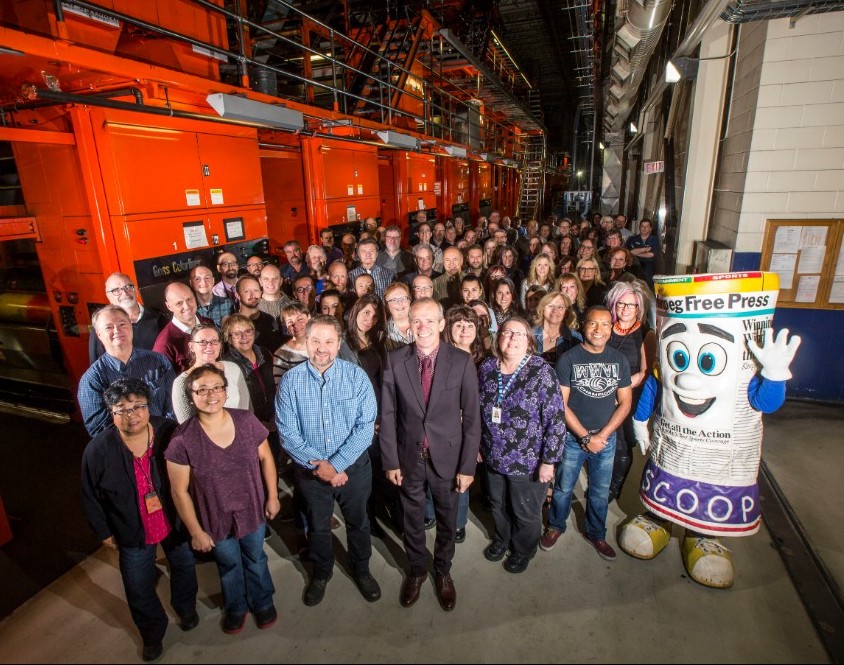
x,y
745,11
635,41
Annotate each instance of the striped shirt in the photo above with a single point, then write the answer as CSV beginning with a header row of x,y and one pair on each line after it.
x,y
327,416
150,367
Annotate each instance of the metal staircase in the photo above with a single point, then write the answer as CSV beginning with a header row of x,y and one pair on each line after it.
x,y
533,178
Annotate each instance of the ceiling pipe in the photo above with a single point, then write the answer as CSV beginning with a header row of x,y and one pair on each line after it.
x,y
707,16
636,40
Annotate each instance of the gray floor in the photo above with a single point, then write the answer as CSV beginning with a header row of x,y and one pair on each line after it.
x,y
570,606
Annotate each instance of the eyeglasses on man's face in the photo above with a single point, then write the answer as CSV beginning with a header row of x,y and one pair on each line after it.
x,y
129,289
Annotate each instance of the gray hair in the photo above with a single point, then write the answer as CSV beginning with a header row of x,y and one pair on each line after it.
x,y
428,301
114,309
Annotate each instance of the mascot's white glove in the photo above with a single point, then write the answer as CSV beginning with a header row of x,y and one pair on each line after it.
x,y
643,437
775,355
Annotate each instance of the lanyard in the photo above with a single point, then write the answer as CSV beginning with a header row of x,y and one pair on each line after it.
x,y
502,388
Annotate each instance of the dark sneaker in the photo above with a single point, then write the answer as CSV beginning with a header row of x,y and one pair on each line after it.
x,y
430,524
495,551
266,618
233,623
152,652
460,536
602,547
549,539
189,622
368,587
315,591
517,563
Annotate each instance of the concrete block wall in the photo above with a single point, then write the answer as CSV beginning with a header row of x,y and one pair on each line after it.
x,y
783,158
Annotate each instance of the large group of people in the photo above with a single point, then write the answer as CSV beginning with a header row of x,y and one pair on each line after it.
x,y
385,381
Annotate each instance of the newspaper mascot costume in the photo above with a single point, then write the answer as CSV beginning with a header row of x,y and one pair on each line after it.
x,y
718,369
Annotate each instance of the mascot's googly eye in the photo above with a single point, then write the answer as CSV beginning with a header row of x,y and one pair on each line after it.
x,y
712,359
678,356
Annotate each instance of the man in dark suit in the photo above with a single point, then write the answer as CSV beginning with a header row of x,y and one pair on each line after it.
x,y
430,433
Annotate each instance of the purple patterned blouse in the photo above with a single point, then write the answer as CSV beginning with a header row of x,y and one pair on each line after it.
x,y
533,426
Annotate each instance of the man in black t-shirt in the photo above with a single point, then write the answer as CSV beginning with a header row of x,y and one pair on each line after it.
x,y
595,382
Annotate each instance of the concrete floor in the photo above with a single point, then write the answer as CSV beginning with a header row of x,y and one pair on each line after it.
x,y
570,605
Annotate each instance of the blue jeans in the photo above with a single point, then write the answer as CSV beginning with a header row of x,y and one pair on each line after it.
x,y
599,472
244,575
462,508
137,568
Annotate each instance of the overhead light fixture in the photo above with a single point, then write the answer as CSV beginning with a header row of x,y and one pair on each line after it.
x,y
633,129
233,107
398,140
681,68
601,146
456,151
579,173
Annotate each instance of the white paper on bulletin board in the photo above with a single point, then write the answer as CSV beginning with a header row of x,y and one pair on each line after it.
x,y
351,214
783,264
813,236
195,235
839,265
807,288
836,293
787,240
811,260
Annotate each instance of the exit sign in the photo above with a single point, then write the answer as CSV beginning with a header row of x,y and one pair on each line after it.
x,y
654,167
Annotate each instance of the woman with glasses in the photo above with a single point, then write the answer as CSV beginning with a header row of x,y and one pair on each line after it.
x,y
205,348
522,439
256,364
295,317
220,459
628,302
397,298
589,273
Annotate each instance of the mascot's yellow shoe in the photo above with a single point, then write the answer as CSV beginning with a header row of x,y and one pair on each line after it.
x,y
708,562
643,537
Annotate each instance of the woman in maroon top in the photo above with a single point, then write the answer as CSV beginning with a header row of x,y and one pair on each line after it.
x,y
222,455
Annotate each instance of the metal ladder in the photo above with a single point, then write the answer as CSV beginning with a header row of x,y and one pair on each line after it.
x,y
533,179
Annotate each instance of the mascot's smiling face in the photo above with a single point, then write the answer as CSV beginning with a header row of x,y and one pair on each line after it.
x,y
698,371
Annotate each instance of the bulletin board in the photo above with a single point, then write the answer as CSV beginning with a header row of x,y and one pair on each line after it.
x,y
808,255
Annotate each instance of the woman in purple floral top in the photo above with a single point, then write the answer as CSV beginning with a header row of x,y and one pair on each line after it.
x,y
523,434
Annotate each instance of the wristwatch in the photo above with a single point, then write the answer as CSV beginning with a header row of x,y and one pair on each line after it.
x,y
585,439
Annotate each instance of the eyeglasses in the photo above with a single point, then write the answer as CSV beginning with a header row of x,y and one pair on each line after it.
x,y
242,334
206,342
129,289
260,264
227,264
205,392
584,269
555,307
398,300
515,334
125,413
423,288
304,289
627,305
393,237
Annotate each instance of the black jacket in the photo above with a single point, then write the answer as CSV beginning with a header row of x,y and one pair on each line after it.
x,y
109,490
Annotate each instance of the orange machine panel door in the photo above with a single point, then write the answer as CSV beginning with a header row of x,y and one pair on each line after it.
x,y
154,170
287,213
350,173
232,170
